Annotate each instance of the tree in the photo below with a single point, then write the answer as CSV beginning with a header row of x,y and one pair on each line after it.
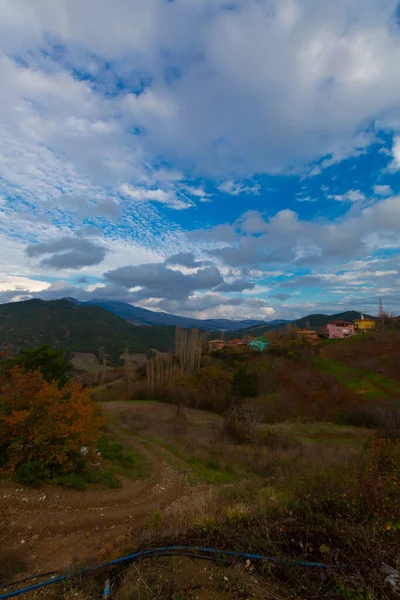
x,y
243,384
51,363
45,424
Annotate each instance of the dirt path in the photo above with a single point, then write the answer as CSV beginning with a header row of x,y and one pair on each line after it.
x,y
52,528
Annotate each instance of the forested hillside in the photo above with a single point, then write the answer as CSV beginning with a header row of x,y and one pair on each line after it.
x,y
76,328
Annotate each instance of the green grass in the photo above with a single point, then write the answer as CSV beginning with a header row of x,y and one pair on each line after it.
x,y
317,428
209,470
321,432
79,481
366,384
124,461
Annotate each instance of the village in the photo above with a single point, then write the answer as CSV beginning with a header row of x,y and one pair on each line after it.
x,y
338,329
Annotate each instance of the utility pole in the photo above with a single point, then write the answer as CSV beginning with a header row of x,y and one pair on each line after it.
x,y
381,313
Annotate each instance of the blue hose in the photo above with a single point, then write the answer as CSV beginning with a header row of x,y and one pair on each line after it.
x,y
168,550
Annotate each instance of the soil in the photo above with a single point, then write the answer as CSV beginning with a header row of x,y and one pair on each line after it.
x,y
196,580
52,528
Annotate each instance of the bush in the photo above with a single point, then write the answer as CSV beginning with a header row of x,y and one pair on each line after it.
x,y
31,473
386,419
109,449
106,478
44,424
243,384
76,481
241,422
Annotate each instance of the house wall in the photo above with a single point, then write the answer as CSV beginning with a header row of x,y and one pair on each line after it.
x,y
364,324
336,331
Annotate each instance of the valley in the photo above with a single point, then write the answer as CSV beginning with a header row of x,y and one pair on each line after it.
x,y
289,452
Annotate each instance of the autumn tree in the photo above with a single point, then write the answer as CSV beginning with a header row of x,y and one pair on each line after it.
x,y
44,424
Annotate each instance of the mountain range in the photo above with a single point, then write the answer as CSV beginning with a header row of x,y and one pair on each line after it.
x,y
115,326
73,327
141,316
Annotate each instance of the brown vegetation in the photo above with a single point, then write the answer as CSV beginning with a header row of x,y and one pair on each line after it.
x,y
45,425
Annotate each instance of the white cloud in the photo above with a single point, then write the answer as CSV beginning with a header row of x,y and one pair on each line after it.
x,y
16,282
164,197
383,190
261,88
235,188
350,196
395,164
306,199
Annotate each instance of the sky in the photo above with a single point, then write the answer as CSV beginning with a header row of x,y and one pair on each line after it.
x,y
208,158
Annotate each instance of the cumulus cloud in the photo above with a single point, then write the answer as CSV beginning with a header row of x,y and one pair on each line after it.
x,y
350,196
114,129
289,240
251,222
220,97
68,253
215,305
238,285
158,281
281,296
383,190
185,259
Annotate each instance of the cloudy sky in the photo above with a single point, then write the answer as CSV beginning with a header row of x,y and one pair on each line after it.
x,y
232,158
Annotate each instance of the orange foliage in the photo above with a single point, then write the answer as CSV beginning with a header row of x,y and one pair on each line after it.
x,y
40,422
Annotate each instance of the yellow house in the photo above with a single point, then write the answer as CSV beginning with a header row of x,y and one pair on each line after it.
x,y
364,324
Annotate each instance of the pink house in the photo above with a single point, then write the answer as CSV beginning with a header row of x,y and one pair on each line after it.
x,y
340,329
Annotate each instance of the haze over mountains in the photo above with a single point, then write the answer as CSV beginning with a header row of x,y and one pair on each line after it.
x,y
142,316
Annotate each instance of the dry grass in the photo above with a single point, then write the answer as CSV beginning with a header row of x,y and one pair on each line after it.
x,y
184,577
197,438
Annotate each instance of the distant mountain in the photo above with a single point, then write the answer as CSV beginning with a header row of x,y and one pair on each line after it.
x,y
73,327
142,316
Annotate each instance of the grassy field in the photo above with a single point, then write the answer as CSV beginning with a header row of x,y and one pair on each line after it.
x,y
366,384
195,438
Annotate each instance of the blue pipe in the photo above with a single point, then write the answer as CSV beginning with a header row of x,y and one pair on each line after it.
x,y
176,550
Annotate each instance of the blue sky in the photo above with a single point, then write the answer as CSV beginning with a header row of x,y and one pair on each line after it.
x,y
208,158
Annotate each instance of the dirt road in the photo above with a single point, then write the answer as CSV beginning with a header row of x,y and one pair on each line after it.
x,y
52,528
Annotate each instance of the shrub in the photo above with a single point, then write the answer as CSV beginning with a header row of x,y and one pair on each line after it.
x,y
75,481
31,473
106,478
207,390
386,418
243,384
109,449
241,422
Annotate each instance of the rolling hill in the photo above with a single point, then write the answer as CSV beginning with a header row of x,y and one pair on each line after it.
x,y
63,324
316,322
142,316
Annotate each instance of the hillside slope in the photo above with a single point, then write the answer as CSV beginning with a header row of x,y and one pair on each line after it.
x,y
76,328
316,322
